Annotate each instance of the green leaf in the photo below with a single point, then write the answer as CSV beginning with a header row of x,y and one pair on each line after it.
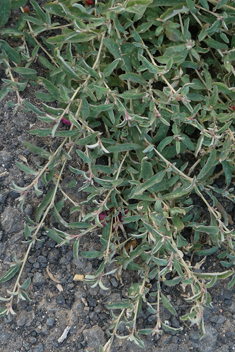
x,y
3,311
54,9
167,304
166,141
53,90
131,94
46,63
4,91
34,20
26,284
129,219
118,305
26,169
28,73
150,67
169,328
83,156
5,11
12,31
123,147
149,183
207,167
11,272
223,88
12,54
173,12
40,14
172,282
101,107
88,140
111,67
138,2
54,236
39,151
15,4
207,252
91,254
66,67
215,44
113,47
26,297
79,225
46,201
33,108
133,77
73,37
231,283
227,172
75,248
209,276
90,70
211,230
212,282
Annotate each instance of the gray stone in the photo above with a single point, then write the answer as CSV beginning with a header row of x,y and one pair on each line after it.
x,y
54,256
228,294
18,236
14,194
78,306
166,339
28,210
92,302
171,348
21,120
38,279
50,321
38,348
3,197
218,319
11,220
94,337
4,337
32,339
25,318
5,158
223,348
60,299
114,282
194,335
208,343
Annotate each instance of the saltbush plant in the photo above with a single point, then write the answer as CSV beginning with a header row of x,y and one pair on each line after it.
x,y
146,86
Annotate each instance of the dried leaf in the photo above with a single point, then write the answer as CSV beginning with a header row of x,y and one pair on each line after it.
x,y
78,277
23,158
84,301
64,335
52,277
59,287
132,243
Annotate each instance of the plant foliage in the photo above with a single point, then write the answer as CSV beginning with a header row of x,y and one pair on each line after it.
x,y
148,86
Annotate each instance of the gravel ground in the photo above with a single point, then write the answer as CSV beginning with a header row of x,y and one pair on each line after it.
x,y
59,302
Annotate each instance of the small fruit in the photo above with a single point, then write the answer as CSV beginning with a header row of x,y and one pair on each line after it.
x,y
26,9
233,107
89,2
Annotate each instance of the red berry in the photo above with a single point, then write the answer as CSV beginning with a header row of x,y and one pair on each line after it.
x,y
233,107
89,2
26,9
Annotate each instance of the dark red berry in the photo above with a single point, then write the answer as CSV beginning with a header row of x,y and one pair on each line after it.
x,y
26,9
233,107
89,2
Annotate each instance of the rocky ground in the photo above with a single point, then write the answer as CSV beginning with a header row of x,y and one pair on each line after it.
x,y
57,301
